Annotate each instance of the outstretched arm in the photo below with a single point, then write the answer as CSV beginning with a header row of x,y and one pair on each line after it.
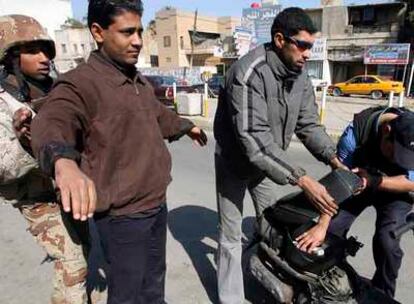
x,y
57,142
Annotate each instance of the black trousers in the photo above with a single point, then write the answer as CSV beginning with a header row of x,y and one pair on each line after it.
x,y
134,248
392,210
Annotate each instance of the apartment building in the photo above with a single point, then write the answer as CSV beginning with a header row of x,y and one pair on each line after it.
x,y
187,39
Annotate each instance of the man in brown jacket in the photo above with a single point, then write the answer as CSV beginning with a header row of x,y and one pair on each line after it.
x,y
101,135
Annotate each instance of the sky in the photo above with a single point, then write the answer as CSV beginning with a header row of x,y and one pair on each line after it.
x,y
205,7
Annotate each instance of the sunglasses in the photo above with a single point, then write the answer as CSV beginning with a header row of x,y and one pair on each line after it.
x,y
303,45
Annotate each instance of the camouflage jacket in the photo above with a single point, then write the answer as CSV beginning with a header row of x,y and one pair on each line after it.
x,y
21,180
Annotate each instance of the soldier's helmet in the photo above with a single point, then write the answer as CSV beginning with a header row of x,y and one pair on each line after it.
x,y
16,30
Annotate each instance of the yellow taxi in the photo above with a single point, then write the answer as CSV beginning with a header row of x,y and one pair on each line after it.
x,y
373,85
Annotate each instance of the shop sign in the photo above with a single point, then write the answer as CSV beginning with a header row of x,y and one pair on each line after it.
x,y
319,51
394,53
242,40
259,22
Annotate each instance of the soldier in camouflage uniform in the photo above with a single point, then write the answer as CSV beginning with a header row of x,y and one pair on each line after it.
x,y
26,52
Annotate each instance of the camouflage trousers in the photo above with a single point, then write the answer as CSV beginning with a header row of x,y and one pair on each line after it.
x,y
65,242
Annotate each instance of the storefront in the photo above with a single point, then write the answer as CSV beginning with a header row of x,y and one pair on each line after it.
x,y
346,62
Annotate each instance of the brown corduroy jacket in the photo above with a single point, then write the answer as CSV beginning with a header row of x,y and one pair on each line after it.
x,y
114,127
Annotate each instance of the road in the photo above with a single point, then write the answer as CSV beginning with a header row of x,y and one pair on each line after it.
x,y
340,110
192,238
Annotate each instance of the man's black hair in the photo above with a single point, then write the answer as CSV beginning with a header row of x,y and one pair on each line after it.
x,y
291,21
102,12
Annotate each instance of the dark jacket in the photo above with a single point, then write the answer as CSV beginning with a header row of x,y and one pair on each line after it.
x,y
367,138
115,128
262,105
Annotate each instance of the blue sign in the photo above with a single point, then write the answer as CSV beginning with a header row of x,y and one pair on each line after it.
x,y
393,53
259,21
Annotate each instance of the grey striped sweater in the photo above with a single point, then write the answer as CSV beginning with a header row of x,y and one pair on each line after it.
x,y
260,107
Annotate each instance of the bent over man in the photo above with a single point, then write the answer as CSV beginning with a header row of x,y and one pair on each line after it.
x,y
267,98
379,146
25,57
103,128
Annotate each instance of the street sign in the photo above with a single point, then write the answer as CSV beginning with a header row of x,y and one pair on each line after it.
x,y
319,51
259,22
242,40
393,53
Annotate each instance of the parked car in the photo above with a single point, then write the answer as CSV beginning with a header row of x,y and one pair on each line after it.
x,y
163,88
373,85
317,83
214,85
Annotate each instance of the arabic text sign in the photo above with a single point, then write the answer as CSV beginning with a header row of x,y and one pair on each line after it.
x,y
319,50
395,53
243,39
259,21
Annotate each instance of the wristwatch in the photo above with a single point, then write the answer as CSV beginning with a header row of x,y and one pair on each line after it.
x,y
295,175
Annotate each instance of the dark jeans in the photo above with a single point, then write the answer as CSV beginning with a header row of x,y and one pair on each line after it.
x,y
134,248
392,210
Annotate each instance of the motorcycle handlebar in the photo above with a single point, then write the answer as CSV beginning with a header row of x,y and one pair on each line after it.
x,y
409,225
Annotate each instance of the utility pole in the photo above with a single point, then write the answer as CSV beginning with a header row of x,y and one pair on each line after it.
x,y
192,38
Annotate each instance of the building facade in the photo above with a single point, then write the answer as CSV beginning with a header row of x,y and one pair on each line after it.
x,y
349,30
50,13
354,28
73,45
178,45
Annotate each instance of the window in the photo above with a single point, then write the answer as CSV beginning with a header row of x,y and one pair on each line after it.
x,y
356,80
154,60
167,41
83,48
75,48
355,16
370,80
182,42
368,14
168,59
64,49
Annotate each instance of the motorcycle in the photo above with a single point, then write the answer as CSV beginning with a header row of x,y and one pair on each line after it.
x,y
323,276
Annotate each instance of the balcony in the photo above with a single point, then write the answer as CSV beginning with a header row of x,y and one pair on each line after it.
x,y
375,28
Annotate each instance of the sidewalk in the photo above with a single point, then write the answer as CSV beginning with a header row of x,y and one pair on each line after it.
x,y
339,112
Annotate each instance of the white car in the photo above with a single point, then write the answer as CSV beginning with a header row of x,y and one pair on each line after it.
x,y
317,83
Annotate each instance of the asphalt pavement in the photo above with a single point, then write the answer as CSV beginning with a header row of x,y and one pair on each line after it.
x,y
25,275
338,113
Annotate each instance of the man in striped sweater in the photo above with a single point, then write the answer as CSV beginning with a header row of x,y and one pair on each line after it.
x,y
267,97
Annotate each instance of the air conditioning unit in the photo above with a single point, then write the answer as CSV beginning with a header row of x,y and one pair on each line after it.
x,y
349,29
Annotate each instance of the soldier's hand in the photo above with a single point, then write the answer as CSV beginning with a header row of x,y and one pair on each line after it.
x,y
22,119
78,193
318,195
